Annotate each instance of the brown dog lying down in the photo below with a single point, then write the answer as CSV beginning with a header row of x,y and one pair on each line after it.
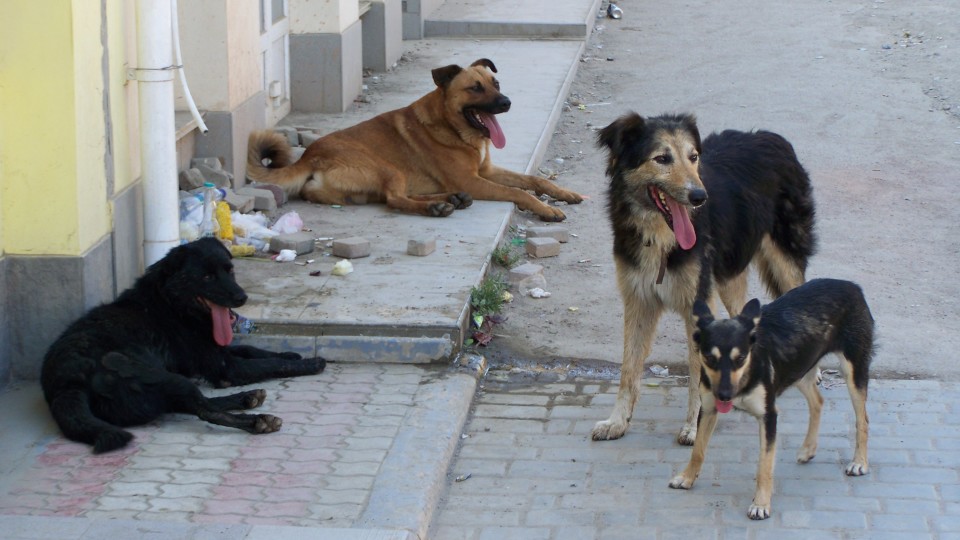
x,y
428,158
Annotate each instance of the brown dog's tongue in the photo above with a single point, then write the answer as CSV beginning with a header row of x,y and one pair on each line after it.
x,y
496,134
682,226
222,325
724,406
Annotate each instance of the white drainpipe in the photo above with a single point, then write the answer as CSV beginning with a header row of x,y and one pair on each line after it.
x,y
158,154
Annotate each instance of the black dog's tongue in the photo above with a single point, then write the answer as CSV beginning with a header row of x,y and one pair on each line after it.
x,y
222,324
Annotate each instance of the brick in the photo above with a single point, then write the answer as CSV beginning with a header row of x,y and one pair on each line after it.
x,y
524,271
239,203
307,138
211,162
560,234
292,135
301,242
351,248
190,179
263,199
543,247
421,247
219,177
278,192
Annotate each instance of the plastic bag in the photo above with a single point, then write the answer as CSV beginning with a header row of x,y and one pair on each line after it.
x,y
288,223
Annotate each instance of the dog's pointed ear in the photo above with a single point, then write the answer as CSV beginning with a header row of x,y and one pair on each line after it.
x,y
486,63
443,75
689,123
702,317
619,131
751,312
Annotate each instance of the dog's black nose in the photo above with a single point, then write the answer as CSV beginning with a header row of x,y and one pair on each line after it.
x,y
503,104
240,298
697,196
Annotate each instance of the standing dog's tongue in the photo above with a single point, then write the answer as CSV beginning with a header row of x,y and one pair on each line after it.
x,y
682,226
724,406
222,324
496,134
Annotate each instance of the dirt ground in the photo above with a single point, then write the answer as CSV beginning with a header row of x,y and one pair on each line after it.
x,y
868,92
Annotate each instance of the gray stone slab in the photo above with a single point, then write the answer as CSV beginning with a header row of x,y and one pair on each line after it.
x,y
564,19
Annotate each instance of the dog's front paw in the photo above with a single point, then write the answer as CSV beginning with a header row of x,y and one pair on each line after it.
x,y
682,482
759,511
267,423
111,439
440,209
320,363
856,468
551,214
570,197
607,430
804,455
688,434
460,200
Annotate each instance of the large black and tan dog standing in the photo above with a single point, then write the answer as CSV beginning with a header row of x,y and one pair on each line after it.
x,y
689,217
428,158
128,362
750,359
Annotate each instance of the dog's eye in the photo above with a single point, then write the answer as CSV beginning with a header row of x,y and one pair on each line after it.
x,y
209,277
496,84
477,88
663,159
694,158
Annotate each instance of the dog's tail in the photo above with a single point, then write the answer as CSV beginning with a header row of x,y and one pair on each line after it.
x,y
71,411
273,147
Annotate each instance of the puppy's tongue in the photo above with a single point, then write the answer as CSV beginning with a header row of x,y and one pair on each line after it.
x,y
222,324
682,226
496,134
724,406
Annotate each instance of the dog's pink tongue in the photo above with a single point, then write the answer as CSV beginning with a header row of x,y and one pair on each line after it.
x,y
496,133
724,406
222,325
682,226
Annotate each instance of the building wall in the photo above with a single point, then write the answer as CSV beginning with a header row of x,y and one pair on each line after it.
x,y
65,151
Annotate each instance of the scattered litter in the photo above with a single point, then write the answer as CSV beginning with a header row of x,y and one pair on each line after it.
x,y
573,309
660,371
507,297
463,477
614,12
537,292
241,324
581,261
285,255
316,273
342,268
464,436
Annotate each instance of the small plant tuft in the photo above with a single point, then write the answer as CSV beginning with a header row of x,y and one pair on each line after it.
x,y
506,256
487,298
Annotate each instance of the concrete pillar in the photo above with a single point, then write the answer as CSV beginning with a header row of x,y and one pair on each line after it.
x,y
326,55
382,34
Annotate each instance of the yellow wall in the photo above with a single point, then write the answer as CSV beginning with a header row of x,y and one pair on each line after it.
x,y
52,181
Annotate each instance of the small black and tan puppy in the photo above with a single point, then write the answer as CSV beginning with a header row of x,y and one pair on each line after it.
x,y
752,358
128,362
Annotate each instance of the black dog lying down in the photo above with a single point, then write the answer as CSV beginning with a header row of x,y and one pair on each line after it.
x,y
128,362
752,358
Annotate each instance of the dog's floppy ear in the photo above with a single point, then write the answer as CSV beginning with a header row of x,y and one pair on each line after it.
x,y
443,75
485,62
619,131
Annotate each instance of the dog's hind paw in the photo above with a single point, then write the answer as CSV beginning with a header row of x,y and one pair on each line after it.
x,y
856,469
110,440
607,430
267,423
290,355
440,209
759,511
460,200
687,436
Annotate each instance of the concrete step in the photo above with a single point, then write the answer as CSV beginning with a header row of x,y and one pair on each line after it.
x,y
541,19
